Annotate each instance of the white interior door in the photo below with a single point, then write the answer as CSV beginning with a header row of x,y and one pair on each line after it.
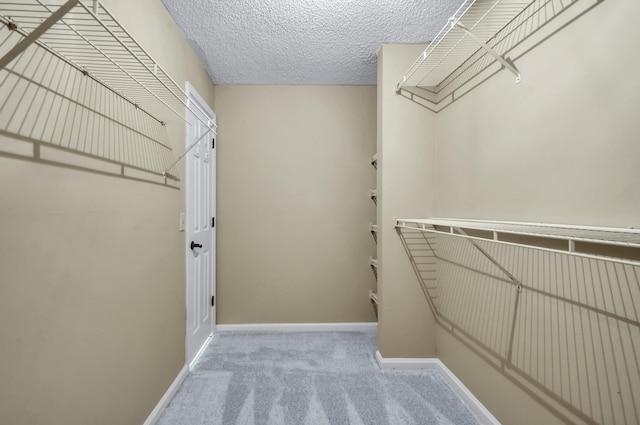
x,y
200,225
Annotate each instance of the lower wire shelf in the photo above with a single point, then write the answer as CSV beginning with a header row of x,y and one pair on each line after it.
x,y
531,297
617,245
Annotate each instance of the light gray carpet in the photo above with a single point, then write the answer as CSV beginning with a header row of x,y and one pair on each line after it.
x,y
308,379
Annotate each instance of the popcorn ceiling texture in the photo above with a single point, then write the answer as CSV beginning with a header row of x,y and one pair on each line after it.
x,y
302,41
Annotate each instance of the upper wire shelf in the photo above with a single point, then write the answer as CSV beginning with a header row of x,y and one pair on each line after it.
x,y
612,244
479,34
91,39
453,45
86,36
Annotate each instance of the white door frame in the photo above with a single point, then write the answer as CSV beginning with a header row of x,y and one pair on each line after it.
x,y
196,102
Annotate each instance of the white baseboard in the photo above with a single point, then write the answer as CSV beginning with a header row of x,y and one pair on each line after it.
x,y
200,351
166,398
406,363
299,327
456,385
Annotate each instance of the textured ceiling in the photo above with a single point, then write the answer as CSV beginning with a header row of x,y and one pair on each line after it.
x,y
302,41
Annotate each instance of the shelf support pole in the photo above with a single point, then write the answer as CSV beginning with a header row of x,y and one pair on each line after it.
x,y
507,63
511,278
36,33
186,151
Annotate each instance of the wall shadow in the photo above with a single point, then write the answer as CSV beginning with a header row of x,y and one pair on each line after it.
x,y
565,329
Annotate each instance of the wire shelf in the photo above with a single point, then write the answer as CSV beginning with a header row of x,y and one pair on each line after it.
x,y
611,244
87,37
92,40
452,46
479,34
46,102
563,327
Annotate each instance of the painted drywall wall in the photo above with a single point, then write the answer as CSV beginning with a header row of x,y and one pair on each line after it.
x,y
405,182
293,204
559,147
92,293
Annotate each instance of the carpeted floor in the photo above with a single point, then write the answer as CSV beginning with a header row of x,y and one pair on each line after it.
x,y
308,379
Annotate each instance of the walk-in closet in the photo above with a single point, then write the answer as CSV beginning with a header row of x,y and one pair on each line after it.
x,y
315,212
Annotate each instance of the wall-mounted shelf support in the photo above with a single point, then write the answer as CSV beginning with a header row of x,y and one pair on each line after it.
x,y
373,229
374,266
178,159
374,161
373,296
373,194
506,62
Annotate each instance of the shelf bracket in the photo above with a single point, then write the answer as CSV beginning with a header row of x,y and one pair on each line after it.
x,y
36,33
511,278
507,63
186,151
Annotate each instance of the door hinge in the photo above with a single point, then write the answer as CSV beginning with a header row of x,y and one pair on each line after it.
x,y
213,222
213,300
213,143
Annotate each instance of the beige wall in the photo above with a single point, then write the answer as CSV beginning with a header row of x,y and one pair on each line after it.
x,y
92,289
405,184
560,147
293,205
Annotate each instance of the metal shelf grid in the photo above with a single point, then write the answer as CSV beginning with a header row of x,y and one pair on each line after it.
x,y
475,22
618,237
87,37
92,40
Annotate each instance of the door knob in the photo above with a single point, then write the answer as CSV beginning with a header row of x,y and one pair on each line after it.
x,y
195,245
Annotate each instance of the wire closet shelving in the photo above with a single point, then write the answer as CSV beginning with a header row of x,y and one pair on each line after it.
x,y
610,244
87,38
554,308
479,34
